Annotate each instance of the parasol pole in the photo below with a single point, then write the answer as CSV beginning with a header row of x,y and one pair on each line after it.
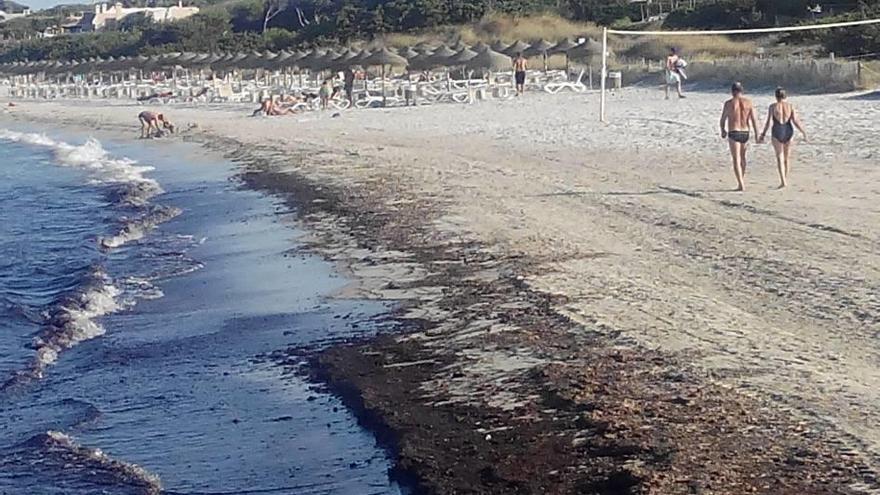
x,y
604,73
384,103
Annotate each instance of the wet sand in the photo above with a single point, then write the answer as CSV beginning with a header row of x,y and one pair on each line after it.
x,y
590,308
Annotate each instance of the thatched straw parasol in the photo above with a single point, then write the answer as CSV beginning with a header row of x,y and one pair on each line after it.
x,y
462,57
420,62
587,50
383,58
499,46
425,46
539,49
253,61
311,59
490,60
440,56
563,46
269,61
480,46
326,61
408,52
518,47
346,58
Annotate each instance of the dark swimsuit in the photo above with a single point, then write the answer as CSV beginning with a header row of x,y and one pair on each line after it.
x,y
783,132
741,137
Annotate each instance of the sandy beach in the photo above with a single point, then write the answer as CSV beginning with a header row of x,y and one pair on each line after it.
x,y
588,308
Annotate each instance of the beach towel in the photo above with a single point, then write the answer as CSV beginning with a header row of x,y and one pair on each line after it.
x,y
680,64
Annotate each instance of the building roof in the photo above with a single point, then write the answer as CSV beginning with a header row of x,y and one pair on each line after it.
x,y
83,22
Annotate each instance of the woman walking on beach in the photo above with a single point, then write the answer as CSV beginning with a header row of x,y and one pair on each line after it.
x,y
784,120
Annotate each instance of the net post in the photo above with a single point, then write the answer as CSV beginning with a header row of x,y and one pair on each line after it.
x,y
604,74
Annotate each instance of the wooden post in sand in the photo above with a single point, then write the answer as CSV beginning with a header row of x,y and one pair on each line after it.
x,y
384,101
604,73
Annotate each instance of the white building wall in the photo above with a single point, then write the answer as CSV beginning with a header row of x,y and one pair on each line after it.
x,y
105,13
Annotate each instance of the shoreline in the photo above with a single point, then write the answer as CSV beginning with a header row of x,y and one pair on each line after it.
x,y
493,369
223,329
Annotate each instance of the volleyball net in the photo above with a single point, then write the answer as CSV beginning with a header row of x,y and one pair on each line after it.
x,y
606,32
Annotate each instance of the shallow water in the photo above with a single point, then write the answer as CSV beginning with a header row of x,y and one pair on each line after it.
x,y
140,292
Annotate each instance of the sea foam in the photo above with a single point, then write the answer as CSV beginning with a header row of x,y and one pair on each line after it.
x,y
73,318
92,157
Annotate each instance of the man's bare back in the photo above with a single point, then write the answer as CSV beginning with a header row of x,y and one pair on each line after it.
x,y
738,111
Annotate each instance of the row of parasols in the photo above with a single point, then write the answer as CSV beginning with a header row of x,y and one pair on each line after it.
x,y
424,56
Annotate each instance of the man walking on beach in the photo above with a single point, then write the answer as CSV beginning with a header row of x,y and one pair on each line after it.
x,y
737,116
674,74
519,73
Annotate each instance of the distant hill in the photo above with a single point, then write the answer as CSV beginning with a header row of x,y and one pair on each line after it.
x,y
12,7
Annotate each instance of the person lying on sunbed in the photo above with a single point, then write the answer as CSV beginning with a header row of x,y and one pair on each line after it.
x,y
202,92
270,108
156,96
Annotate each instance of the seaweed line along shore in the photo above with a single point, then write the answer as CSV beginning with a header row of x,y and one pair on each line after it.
x,y
576,317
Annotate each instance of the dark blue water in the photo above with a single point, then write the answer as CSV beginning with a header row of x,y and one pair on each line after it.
x,y
140,291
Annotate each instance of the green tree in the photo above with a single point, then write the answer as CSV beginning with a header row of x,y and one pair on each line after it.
x,y
277,39
138,21
246,15
346,22
375,21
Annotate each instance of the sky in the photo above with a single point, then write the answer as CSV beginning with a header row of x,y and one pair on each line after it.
x,y
42,4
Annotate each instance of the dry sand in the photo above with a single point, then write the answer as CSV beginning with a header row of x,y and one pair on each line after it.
x,y
632,227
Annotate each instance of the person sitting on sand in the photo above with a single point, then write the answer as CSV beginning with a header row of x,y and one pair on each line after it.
x,y
784,120
151,120
266,107
674,73
519,73
737,116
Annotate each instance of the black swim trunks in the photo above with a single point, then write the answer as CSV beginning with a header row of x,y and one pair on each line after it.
x,y
520,76
741,137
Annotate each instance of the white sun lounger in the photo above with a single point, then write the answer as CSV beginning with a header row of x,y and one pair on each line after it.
x,y
577,86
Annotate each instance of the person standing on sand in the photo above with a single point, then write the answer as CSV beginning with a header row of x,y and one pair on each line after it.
x,y
784,120
325,93
348,84
519,73
737,116
151,120
673,72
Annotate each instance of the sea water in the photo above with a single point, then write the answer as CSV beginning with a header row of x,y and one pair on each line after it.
x,y
141,289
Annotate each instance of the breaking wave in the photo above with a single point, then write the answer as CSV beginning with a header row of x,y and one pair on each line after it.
x,y
132,187
72,318
70,321
58,447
